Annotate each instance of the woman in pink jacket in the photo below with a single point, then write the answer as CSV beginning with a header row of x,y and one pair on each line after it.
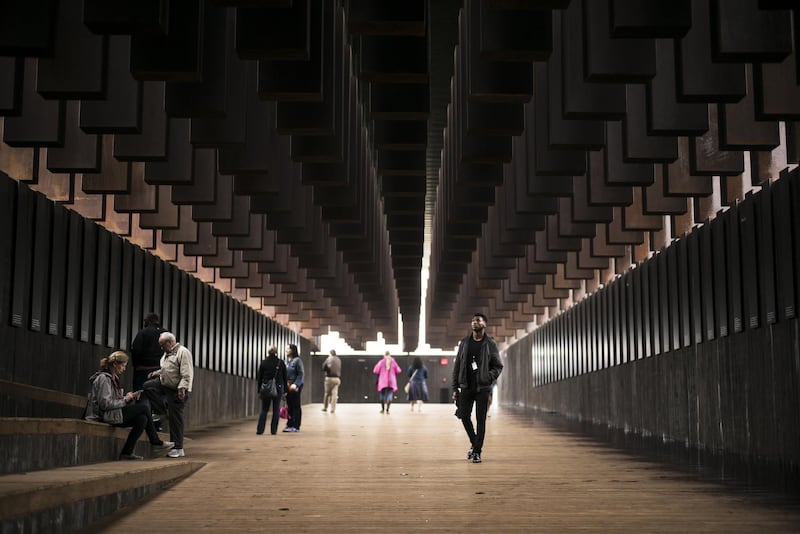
x,y
387,370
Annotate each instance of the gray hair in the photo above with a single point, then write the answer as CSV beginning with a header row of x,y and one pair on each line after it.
x,y
167,336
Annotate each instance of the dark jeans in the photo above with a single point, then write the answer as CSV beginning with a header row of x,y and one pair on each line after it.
x,y
481,401
166,401
293,406
137,417
262,417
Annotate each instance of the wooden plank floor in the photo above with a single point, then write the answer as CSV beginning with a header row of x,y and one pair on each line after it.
x,y
361,471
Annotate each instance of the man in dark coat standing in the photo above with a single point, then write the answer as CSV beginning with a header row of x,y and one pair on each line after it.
x,y
145,352
475,370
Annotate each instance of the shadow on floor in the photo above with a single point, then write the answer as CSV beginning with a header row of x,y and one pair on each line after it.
x,y
734,472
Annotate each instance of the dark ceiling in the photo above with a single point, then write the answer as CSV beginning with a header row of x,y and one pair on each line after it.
x,y
309,156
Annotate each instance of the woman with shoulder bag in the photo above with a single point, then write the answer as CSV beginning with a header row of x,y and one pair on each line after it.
x,y
272,369
417,384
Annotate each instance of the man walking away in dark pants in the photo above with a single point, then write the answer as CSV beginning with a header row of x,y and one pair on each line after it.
x,y
476,368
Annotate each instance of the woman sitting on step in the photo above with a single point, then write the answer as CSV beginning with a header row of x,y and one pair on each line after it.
x,y
108,404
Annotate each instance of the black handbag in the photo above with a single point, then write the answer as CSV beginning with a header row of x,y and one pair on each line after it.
x,y
268,389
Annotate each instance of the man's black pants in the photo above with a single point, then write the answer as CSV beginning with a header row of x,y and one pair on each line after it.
x,y
162,398
481,401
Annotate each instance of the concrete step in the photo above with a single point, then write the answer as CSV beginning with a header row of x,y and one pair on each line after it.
x,y
71,498
30,444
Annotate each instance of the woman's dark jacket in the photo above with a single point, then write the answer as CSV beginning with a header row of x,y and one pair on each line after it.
x,y
269,366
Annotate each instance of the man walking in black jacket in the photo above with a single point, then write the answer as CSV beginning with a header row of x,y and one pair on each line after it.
x,y
476,368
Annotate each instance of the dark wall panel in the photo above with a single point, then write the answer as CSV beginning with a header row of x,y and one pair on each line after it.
x,y
148,288
23,257
138,311
734,270
639,320
719,244
126,329
89,282
72,308
749,252
164,297
674,301
655,306
684,298
103,260
189,292
695,290
785,227
58,272
766,255
156,289
707,281
115,275
663,302
40,268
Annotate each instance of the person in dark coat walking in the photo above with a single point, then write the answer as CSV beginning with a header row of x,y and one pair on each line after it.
x,y
476,368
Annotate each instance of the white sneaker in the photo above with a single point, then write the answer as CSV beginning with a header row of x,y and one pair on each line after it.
x,y
176,453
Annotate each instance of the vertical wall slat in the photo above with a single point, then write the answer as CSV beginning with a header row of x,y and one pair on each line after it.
x,y
156,287
655,306
663,301
72,307
126,298
148,289
747,229
23,256
734,270
681,253
646,323
116,273
58,272
164,299
784,229
719,243
138,310
638,319
707,281
103,259
766,255
40,269
89,285
674,297
693,253
189,309
8,228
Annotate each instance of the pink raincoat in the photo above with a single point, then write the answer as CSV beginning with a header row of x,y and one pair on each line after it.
x,y
387,378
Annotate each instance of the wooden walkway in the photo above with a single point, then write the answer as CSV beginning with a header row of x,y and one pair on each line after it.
x,y
361,471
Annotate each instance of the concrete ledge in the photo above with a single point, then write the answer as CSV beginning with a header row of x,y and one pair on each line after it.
x,y
73,497
10,426
18,389
31,444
